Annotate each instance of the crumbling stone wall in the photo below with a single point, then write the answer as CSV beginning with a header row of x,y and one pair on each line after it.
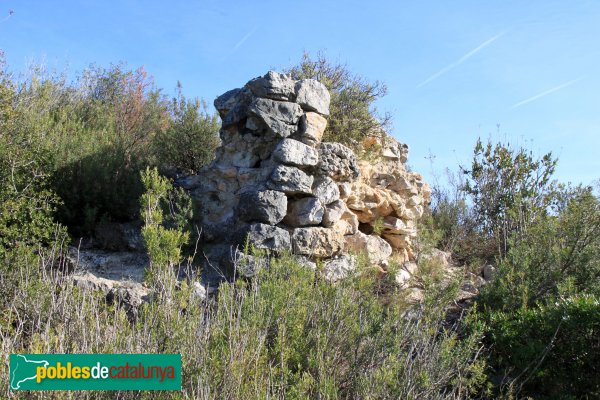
x,y
274,183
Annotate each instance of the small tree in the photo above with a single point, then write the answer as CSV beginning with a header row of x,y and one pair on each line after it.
x,y
163,244
353,116
192,137
509,188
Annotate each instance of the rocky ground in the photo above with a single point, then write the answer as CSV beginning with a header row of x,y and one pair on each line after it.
x,y
119,275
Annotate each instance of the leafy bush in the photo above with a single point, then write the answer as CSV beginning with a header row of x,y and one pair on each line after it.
x,y
541,310
450,222
353,117
491,203
163,244
560,255
551,351
27,202
509,188
192,137
98,133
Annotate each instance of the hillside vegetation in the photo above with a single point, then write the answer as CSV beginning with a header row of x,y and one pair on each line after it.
x,y
105,147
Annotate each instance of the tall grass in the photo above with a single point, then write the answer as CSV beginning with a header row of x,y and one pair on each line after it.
x,y
286,333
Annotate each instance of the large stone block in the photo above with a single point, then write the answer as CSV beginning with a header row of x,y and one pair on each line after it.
x,y
293,152
266,206
233,106
393,225
326,190
312,95
311,128
333,213
291,180
316,242
305,212
337,162
280,117
274,86
263,236
339,267
378,250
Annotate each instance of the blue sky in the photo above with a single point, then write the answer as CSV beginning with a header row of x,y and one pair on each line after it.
x,y
454,70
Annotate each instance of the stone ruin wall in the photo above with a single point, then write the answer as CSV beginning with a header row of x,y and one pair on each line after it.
x,y
274,183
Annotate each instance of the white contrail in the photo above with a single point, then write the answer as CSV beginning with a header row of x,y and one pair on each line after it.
x,y
461,60
10,14
547,92
242,40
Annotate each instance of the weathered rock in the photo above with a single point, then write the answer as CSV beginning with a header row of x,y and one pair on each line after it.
x,y
337,162
488,271
412,213
316,242
369,203
311,128
402,278
267,206
199,291
247,265
411,267
273,86
100,269
128,298
290,151
307,262
415,200
438,257
280,117
233,106
333,213
351,221
397,226
378,250
403,184
395,151
304,212
263,236
118,275
312,95
291,180
326,190
340,267
398,241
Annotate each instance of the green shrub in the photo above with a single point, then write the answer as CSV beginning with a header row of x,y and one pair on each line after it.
x,y
162,244
286,333
27,201
99,132
452,226
192,137
541,310
508,188
551,351
560,255
353,117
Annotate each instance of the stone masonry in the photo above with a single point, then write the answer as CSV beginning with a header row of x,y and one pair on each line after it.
x,y
275,185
